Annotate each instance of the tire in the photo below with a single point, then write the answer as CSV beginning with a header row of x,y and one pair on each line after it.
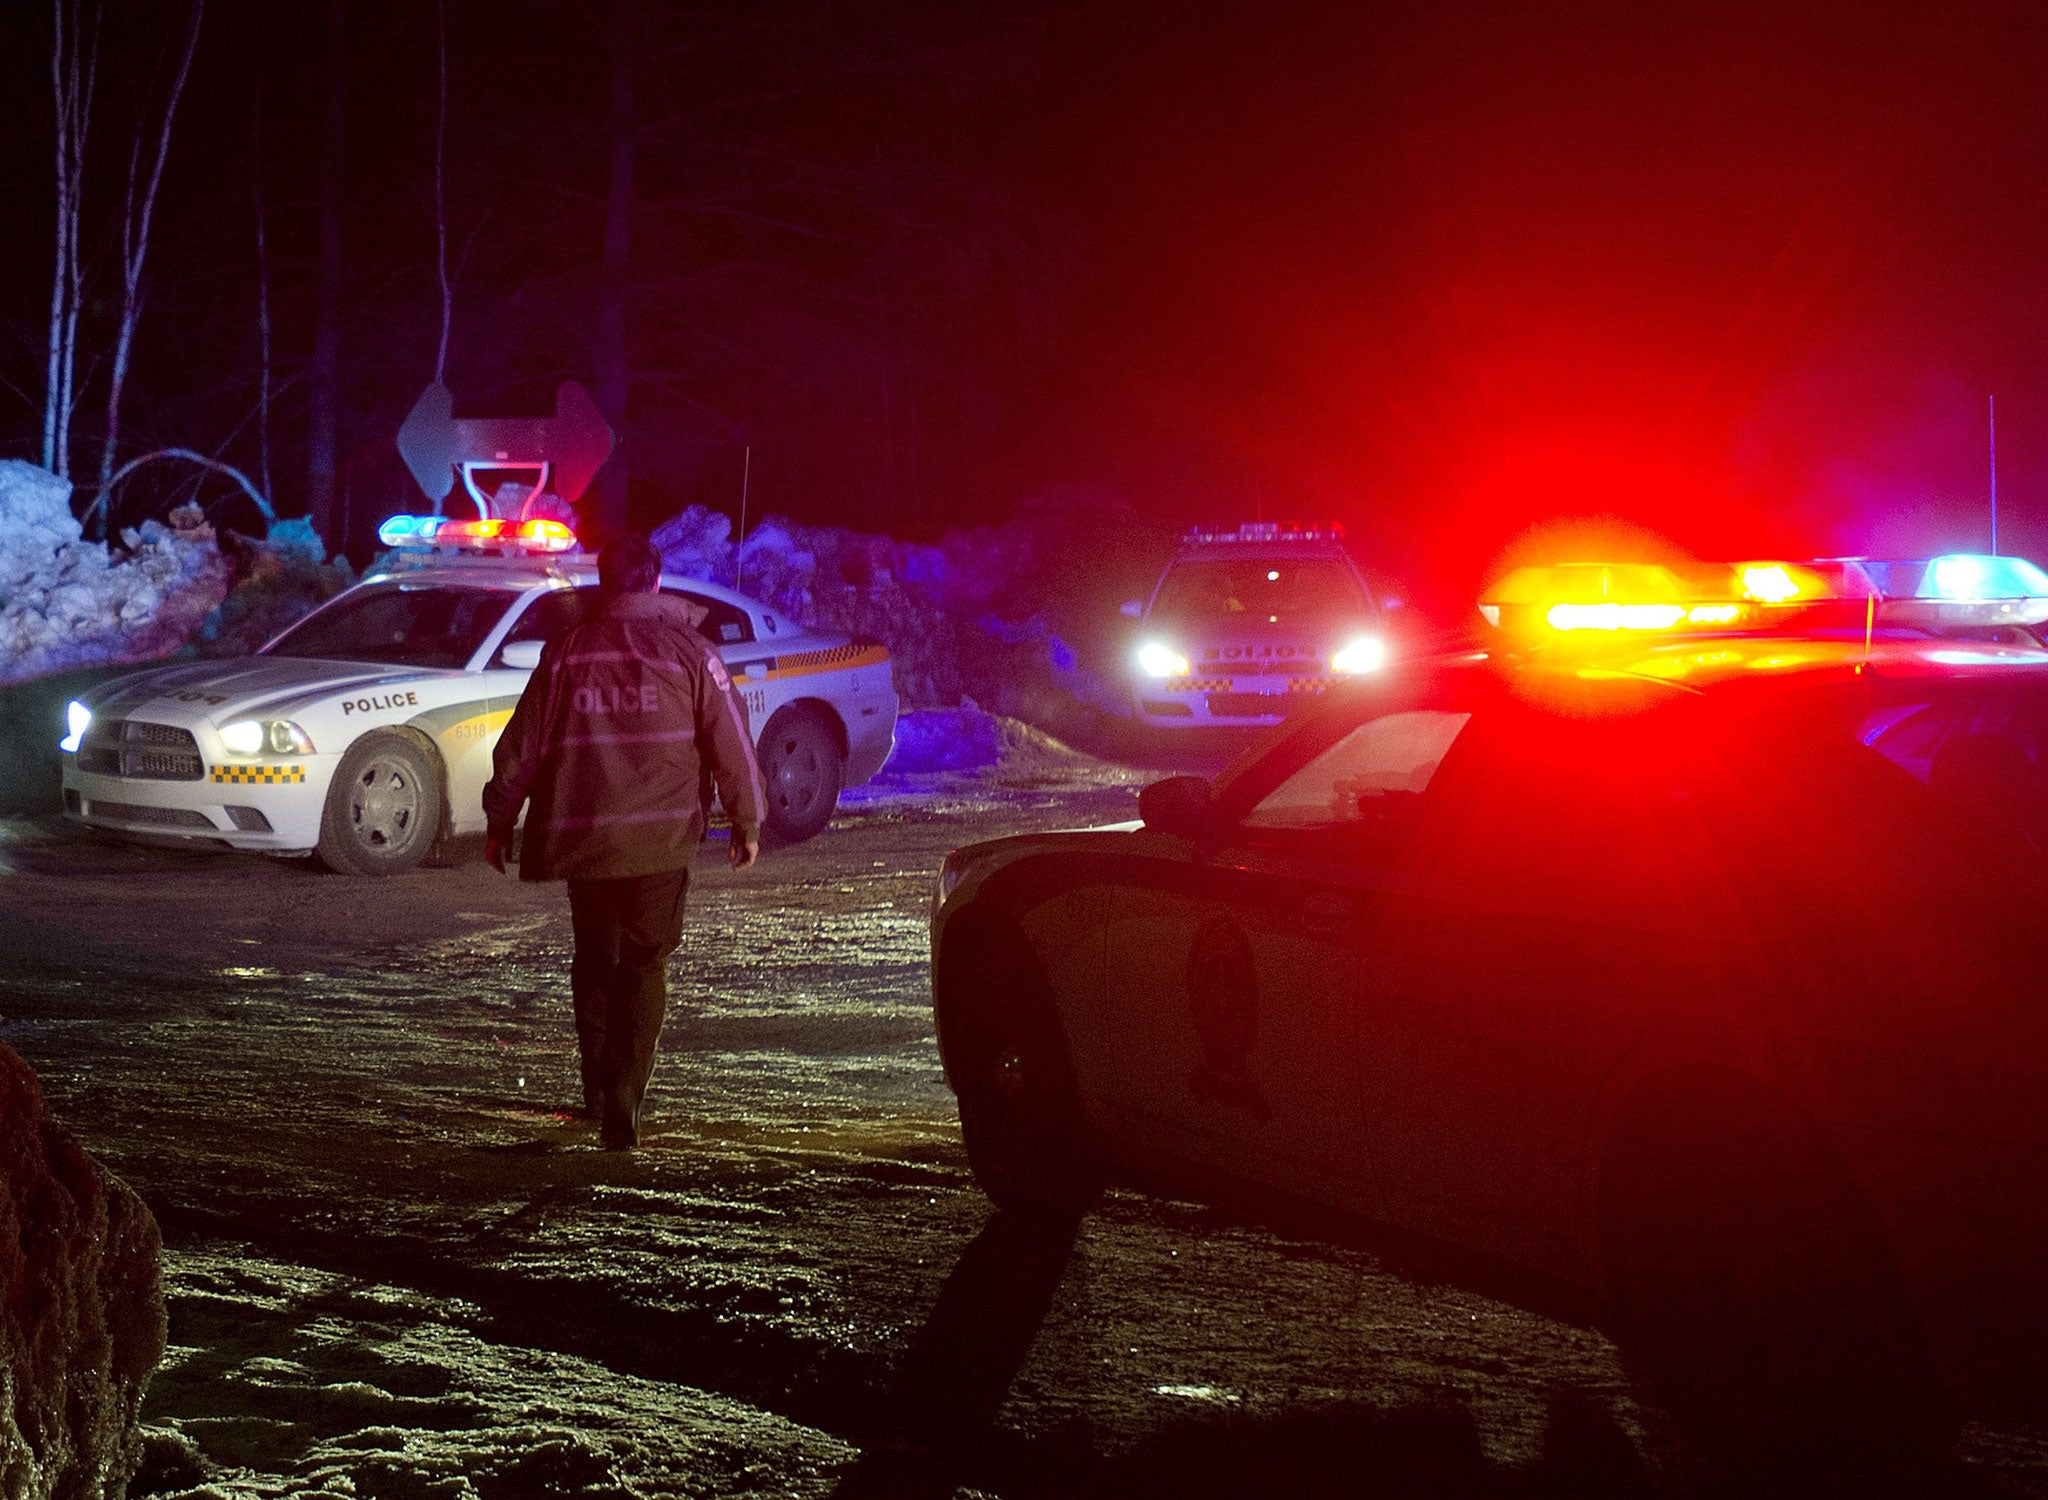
x,y
1020,1108
802,768
1754,1294
383,809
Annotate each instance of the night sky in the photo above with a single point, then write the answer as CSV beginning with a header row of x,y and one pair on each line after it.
x,y
1740,276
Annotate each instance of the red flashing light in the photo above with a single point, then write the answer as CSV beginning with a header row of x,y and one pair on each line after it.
x,y
543,535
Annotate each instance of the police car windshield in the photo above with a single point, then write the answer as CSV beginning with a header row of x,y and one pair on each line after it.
x,y
437,626
1259,591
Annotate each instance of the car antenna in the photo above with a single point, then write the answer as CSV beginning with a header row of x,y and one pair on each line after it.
x,y
1991,411
739,551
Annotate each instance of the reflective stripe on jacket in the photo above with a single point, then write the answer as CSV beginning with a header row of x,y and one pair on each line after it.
x,y
611,739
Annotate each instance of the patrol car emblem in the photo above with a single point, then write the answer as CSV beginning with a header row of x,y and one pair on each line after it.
x,y
1223,1004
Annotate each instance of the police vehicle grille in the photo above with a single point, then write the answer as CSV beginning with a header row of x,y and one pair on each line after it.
x,y
141,751
155,817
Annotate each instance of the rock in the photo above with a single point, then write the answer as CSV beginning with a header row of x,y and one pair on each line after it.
x,y
82,1323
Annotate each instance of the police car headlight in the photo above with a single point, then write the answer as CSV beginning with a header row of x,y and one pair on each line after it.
x,y
253,737
1156,660
1366,654
77,719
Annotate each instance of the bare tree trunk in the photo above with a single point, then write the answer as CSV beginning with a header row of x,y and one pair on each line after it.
x,y
85,69
441,200
59,273
613,374
262,309
134,253
73,65
324,378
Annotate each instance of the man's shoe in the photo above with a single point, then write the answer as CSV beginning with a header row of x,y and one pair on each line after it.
x,y
621,1129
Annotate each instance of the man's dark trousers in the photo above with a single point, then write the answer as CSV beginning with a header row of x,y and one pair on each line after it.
x,y
625,931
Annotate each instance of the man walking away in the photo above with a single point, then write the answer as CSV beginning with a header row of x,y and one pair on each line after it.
x,y
610,741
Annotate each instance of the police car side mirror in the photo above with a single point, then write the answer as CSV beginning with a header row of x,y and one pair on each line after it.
x,y
1132,609
1179,804
521,656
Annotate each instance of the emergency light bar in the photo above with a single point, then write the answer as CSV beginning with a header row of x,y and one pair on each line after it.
x,y
1608,597
1262,531
439,532
1960,591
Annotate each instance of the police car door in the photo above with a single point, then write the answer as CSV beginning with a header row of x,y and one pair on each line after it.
x,y
1554,907
1232,966
747,659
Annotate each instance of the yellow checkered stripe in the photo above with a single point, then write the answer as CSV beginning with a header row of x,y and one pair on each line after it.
x,y
257,775
831,659
1307,684
1197,684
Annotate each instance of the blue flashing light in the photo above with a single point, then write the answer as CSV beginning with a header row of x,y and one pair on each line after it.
x,y
409,531
1970,576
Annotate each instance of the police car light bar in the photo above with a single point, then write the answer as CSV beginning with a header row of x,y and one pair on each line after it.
x,y
1608,597
1263,531
537,535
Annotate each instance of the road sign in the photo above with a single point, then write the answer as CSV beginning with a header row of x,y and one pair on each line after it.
x,y
566,449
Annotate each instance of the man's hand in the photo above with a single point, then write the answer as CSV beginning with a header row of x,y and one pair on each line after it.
x,y
494,854
743,851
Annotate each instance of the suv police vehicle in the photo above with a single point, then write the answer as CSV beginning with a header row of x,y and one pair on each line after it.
x,y
364,732
1248,623
1673,963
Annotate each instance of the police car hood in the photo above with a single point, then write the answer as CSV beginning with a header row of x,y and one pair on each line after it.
x,y
198,692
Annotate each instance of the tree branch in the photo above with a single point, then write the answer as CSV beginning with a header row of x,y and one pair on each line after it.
x,y
99,503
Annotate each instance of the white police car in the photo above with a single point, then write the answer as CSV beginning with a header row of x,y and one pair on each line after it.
x,y
364,732
1248,623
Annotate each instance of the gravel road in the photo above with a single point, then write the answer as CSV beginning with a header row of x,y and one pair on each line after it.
x,y
398,1267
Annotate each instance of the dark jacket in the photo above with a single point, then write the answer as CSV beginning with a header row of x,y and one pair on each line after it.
x,y
612,740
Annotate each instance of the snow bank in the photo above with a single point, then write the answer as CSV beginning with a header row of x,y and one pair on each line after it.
x,y
66,602
945,739
1018,616
82,1325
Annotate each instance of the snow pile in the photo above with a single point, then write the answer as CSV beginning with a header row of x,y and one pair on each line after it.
x,y
966,757
1020,616
281,578
518,502
82,1325
66,602
946,739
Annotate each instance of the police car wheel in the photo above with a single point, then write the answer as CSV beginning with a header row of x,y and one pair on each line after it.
x,y
383,810
1020,1107
1756,1297
802,769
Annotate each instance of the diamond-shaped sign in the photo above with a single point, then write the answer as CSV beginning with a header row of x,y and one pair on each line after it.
x,y
572,445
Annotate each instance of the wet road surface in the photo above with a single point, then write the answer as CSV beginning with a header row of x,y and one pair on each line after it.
x,y
398,1267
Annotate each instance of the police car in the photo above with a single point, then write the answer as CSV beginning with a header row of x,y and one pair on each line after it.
x,y
364,732
1675,963
1248,623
